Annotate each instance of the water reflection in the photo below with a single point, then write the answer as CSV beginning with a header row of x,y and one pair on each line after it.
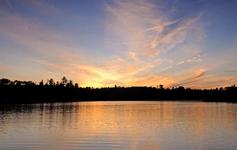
x,y
119,125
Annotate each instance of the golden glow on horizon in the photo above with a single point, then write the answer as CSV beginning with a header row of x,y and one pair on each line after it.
x,y
142,47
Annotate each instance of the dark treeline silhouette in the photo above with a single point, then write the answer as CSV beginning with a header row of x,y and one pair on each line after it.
x,y
67,91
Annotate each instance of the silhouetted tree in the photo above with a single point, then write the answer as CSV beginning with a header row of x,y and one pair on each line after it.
x,y
51,82
70,84
41,83
4,81
64,91
161,87
64,81
76,85
57,84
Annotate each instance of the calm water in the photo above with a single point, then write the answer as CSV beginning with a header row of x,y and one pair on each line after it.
x,y
120,125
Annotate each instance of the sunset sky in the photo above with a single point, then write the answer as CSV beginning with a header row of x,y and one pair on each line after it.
x,y
100,43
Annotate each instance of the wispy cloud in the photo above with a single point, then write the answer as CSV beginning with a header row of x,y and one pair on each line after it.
x,y
29,33
146,46
195,77
43,45
143,36
146,36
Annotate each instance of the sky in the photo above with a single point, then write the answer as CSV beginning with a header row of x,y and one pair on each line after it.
x,y
102,43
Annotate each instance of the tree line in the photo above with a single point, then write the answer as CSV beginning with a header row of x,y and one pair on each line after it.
x,y
68,91
50,83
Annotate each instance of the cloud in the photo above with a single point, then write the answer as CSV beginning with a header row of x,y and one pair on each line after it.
x,y
194,76
139,35
29,33
146,36
143,42
213,81
39,40
144,29
153,80
44,46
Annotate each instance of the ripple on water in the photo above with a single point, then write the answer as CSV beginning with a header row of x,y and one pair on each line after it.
x,y
119,125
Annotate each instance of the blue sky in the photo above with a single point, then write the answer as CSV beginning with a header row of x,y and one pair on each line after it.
x,y
128,43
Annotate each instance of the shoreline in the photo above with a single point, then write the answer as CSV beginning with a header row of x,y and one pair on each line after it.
x,y
117,100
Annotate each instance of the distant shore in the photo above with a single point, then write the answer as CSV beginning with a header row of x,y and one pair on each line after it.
x,y
19,102
19,92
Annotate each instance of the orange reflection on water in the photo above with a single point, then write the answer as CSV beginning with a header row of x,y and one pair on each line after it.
x,y
121,125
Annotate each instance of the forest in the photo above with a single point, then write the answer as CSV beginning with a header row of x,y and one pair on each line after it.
x,y
19,92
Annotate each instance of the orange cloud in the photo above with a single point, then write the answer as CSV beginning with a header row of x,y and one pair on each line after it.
x,y
138,34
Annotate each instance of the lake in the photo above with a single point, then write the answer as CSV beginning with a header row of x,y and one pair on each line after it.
x,y
134,125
